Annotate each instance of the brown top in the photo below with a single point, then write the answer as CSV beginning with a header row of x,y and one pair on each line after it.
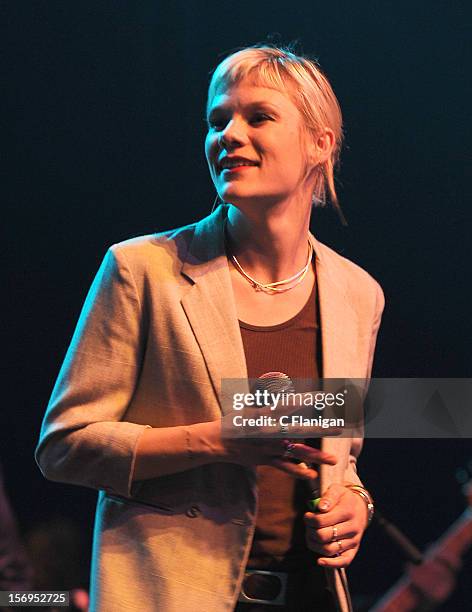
x,y
293,348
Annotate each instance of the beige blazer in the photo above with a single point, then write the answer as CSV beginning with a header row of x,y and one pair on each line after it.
x,y
157,334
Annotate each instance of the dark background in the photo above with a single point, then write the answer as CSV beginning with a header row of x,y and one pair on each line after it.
x,y
104,128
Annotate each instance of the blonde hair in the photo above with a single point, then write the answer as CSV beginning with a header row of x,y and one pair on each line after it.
x,y
308,88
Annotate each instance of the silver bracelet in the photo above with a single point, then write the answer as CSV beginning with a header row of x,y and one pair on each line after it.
x,y
367,497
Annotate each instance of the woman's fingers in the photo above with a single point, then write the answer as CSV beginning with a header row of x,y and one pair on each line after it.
x,y
311,455
297,470
334,549
343,560
334,517
335,553
328,535
296,459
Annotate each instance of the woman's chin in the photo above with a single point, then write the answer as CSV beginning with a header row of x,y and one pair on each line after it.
x,y
240,197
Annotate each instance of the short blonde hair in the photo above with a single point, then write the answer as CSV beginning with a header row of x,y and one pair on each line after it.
x,y
306,85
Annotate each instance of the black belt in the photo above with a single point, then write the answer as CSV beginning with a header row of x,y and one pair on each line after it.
x,y
264,587
302,589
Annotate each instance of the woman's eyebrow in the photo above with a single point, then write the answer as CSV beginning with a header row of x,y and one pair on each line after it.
x,y
257,104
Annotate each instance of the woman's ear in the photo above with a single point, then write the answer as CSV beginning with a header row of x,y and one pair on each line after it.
x,y
321,147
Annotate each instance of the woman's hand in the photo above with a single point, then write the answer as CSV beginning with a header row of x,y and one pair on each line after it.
x,y
274,451
162,451
266,445
336,530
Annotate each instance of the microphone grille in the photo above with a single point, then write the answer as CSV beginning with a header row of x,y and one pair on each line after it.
x,y
275,382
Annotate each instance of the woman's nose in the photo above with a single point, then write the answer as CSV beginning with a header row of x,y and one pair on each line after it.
x,y
233,134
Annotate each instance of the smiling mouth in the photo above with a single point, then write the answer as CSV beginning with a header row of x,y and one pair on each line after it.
x,y
234,163
236,168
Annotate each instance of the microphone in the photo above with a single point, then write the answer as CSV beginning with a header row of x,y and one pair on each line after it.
x,y
278,382
274,382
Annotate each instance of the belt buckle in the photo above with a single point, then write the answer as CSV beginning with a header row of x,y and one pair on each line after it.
x,y
279,600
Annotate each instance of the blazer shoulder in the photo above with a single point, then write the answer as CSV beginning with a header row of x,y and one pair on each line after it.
x,y
157,257
358,280
153,248
142,246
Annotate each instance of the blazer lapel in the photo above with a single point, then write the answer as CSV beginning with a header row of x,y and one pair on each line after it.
x,y
210,308
338,346
338,319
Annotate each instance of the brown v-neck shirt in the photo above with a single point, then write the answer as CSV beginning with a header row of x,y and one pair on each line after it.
x,y
292,347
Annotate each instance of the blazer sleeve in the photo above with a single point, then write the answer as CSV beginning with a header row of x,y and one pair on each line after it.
x,y
84,439
357,442
379,306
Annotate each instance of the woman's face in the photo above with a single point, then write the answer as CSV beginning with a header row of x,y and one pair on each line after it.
x,y
255,146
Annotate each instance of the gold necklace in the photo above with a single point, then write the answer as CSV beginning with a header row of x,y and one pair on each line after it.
x,y
278,286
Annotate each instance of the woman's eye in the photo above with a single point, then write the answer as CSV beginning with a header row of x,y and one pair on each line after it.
x,y
216,124
260,117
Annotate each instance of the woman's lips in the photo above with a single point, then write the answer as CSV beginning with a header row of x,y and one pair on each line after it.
x,y
236,169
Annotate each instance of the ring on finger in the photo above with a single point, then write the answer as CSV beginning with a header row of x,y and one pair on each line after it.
x,y
340,548
334,534
288,452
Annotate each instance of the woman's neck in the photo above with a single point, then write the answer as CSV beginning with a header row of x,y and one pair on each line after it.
x,y
272,244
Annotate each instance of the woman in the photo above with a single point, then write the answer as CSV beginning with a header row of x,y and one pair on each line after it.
x,y
136,411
